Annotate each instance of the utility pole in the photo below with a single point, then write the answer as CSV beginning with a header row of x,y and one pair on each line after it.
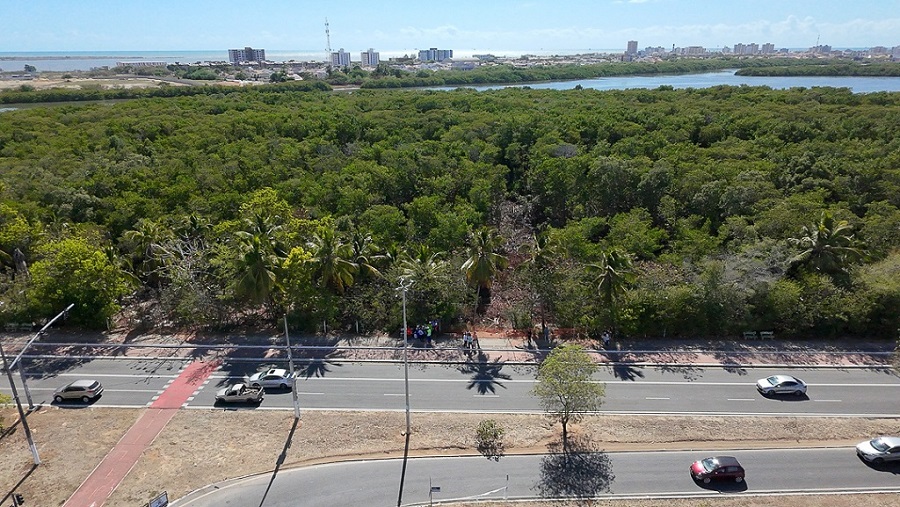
x,y
16,361
327,41
12,385
293,376
405,287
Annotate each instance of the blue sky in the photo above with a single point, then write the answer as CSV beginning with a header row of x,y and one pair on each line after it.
x,y
461,25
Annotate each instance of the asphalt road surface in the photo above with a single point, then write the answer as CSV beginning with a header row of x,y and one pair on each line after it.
x,y
612,475
488,387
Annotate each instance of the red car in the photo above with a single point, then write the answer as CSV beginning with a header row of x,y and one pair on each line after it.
x,y
717,468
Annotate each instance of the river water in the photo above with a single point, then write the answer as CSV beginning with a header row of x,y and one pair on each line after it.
x,y
710,79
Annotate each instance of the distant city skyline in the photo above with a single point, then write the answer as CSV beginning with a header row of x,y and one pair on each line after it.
x,y
464,25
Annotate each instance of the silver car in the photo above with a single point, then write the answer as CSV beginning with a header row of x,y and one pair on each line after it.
x,y
878,450
276,378
84,390
781,384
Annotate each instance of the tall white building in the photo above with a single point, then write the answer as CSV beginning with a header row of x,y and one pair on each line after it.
x,y
247,54
340,58
370,58
435,55
632,48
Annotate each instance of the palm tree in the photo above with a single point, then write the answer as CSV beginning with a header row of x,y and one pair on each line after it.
x,y
826,246
483,261
612,274
256,268
420,265
142,244
331,260
365,253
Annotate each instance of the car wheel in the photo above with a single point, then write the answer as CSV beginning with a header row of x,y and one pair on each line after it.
x,y
878,461
284,386
738,479
254,384
706,480
798,392
58,399
85,399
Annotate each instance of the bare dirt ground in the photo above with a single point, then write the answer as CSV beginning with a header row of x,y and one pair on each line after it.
x,y
196,448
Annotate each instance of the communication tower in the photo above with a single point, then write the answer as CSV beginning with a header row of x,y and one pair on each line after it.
x,y
327,38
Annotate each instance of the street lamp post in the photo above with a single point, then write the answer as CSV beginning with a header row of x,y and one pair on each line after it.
x,y
404,286
293,376
17,360
15,392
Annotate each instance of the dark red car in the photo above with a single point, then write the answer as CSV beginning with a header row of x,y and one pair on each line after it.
x,y
717,468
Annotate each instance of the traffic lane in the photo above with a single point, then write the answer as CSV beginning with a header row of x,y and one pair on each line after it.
x,y
489,393
600,474
855,400
389,394
125,383
606,373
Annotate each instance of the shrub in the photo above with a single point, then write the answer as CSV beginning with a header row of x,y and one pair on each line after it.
x,y
489,439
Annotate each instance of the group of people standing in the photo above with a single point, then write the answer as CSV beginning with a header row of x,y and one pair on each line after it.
x,y
470,340
423,332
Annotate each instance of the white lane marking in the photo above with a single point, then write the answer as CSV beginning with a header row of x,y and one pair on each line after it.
x,y
393,394
655,398
532,381
829,401
305,392
117,375
105,390
741,399
485,395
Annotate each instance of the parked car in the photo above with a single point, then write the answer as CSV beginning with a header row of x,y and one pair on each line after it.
x,y
273,378
781,384
84,390
880,449
717,468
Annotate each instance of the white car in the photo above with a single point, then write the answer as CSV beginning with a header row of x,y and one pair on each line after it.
x,y
273,378
878,450
781,384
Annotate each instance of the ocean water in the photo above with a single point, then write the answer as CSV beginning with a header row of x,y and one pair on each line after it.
x,y
62,61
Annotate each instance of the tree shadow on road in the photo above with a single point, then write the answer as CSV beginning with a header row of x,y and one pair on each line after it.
x,y
575,470
280,460
626,371
485,374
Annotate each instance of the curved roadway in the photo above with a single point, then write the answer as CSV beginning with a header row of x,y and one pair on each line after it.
x,y
613,475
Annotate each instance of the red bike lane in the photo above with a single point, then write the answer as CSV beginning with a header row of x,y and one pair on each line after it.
x,y
116,465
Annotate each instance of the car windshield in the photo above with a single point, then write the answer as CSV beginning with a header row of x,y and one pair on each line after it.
x,y
772,381
708,464
879,445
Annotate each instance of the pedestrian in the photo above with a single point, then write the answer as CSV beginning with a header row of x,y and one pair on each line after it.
x,y
474,339
467,340
428,335
606,340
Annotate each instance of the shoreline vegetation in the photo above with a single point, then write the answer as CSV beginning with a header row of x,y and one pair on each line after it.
x,y
206,80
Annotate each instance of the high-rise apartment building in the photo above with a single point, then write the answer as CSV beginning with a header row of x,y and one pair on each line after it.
x,y
632,48
768,48
435,55
247,54
340,58
370,58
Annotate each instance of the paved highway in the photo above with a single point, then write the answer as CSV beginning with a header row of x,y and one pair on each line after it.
x,y
612,475
492,387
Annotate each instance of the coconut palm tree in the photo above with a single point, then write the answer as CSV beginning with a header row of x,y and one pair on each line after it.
x,y
483,262
612,274
332,262
826,246
256,269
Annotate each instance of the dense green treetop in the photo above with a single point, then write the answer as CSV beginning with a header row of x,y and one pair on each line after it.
x,y
236,198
